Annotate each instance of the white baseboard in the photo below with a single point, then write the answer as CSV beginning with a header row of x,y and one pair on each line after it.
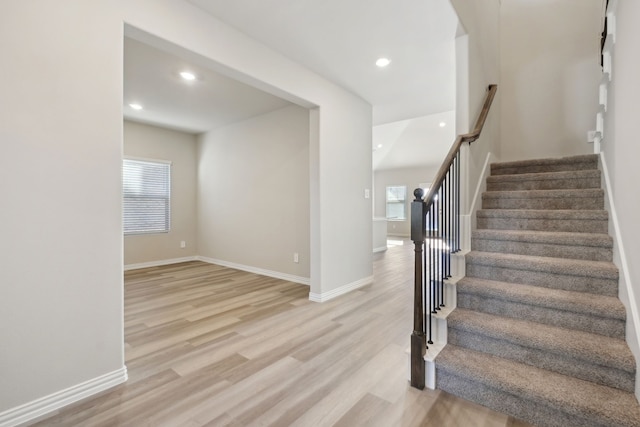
x,y
380,249
326,296
256,270
625,291
40,407
159,263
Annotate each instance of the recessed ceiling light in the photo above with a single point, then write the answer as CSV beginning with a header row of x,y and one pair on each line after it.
x,y
187,75
442,124
383,62
135,106
379,145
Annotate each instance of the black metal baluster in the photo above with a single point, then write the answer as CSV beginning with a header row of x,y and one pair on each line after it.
x,y
458,201
449,220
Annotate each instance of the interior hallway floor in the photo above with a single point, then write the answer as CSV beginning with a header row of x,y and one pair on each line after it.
x,y
212,346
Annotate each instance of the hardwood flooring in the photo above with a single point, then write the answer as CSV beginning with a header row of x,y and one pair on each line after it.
x,y
211,346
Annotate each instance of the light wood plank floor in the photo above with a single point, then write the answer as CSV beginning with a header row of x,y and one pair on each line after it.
x,y
211,346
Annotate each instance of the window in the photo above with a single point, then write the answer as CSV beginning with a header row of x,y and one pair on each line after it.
x,y
146,190
396,202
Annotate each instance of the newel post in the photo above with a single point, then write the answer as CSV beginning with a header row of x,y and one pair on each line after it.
x,y
418,341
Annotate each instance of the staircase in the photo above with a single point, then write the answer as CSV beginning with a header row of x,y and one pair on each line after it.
x,y
538,332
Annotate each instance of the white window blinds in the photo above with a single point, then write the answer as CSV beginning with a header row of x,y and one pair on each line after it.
x,y
146,196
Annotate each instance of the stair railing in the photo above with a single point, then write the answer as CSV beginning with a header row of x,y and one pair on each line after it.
x,y
435,222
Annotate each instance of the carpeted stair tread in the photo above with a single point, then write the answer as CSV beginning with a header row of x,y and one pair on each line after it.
x,y
603,315
584,346
545,180
588,246
574,267
558,237
591,198
553,214
576,302
595,277
586,403
579,221
572,163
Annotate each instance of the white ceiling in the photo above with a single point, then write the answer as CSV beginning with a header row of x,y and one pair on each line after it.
x,y
152,79
419,142
341,40
338,39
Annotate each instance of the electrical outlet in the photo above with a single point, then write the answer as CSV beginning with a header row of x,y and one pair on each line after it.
x,y
296,258
367,193
183,244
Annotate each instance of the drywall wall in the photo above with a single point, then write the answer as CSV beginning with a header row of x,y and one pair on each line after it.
x,y
152,142
621,152
550,70
409,177
477,66
61,315
61,125
253,192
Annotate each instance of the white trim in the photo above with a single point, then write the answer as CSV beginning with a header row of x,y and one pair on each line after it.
x,y
256,270
630,302
380,249
40,407
159,263
468,221
326,296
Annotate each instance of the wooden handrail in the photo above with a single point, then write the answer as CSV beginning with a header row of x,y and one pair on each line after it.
x,y
429,281
469,137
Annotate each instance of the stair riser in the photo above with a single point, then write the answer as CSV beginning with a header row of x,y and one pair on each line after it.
x,y
542,249
594,285
592,323
507,403
497,169
570,203
534,224
559,363
546,184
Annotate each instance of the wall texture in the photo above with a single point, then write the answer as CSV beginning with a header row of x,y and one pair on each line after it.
x,y
61,311
550,71
61,316
253,192
152,142
477,66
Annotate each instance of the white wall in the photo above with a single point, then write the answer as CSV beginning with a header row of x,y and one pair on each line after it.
x,y
477,66
61,126
61,317
152,142
409,177
621,152
253,192
550,67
